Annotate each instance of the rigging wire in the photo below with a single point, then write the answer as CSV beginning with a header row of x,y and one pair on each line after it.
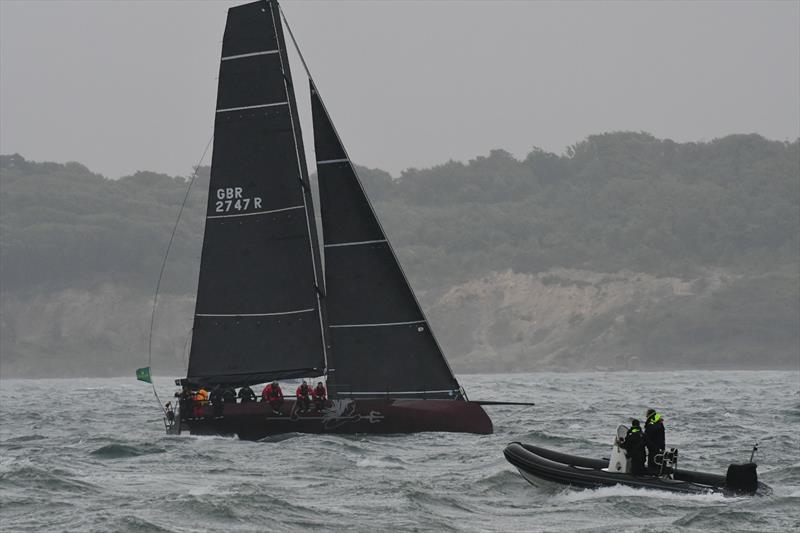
x,y
296,47
372,209
515,413
164,265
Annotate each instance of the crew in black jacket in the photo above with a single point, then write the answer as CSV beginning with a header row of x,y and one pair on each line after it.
x,y
246,395
217,403
634,448
654,438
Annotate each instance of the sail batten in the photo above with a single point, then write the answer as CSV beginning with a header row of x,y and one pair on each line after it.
x,y
354,243
257,106
376,324
257,213
251,54
260,314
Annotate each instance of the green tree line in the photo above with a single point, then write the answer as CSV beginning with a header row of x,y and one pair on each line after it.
x,y
614,201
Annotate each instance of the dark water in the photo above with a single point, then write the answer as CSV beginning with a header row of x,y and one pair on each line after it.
x,y
91,455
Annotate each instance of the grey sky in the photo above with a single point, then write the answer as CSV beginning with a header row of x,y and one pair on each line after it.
x,y
124,86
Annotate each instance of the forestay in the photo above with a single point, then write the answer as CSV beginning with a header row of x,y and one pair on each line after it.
x,y
258,313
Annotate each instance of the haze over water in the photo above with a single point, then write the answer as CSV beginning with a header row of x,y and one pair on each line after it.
x,y
91,455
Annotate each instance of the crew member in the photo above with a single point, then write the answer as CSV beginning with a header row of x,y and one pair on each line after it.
x,y
200,400
654,438
169,412
217,403
303,394
634,448
320,395
184,402
246,395
273,394
201,395
229,395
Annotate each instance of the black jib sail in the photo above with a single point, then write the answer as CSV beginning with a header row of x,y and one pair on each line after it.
x,y
383,344
258,314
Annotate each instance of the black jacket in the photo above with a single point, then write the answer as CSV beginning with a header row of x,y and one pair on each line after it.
x,y
634,442
654,432
229,395
246,395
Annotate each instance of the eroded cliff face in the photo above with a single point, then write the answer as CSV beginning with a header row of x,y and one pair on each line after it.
x,y
102,331
503,322
571,319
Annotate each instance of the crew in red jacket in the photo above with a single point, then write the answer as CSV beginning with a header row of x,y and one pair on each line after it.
x,y
303,394
273,394
320,395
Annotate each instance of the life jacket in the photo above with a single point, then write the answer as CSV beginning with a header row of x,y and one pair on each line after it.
x,y
635,429
302,391
655,418
319,392
201,395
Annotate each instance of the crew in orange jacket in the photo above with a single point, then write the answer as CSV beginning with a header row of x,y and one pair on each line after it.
x,y
200,401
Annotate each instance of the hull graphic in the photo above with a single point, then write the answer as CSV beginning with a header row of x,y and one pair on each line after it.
x,y
254,421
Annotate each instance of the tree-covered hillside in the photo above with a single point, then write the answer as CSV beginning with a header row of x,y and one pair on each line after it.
x,y
614,202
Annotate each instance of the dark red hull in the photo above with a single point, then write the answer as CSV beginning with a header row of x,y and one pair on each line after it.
x,y
257,420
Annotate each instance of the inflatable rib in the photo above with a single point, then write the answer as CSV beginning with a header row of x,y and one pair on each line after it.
x,y
538,465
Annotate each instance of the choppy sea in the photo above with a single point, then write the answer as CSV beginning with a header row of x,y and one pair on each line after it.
x,y
91,455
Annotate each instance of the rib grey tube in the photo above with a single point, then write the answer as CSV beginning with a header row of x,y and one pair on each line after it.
x,y
382,342
258,314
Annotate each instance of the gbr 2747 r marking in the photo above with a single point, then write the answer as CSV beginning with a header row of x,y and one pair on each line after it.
x,y
233,199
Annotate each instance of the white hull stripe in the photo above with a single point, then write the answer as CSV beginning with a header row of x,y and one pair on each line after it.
x,y
375,325
354,243
242,56
227,109
332,161
257,212
260,314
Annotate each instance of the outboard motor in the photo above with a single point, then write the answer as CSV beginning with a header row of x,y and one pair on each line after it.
x,y
743,479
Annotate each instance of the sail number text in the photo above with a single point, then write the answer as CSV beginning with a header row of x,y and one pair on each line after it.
x,y
233,199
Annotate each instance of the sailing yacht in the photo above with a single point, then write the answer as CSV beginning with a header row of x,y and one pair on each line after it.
x,y
266,308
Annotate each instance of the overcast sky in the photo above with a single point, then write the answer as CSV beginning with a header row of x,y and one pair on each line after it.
x,y
126,86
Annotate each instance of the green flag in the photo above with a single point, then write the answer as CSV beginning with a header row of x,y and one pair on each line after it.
x,y
143,374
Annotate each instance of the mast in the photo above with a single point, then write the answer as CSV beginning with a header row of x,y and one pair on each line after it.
x,y
259,313
275,12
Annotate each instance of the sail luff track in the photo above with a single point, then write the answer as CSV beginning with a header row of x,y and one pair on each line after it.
x,y
306,183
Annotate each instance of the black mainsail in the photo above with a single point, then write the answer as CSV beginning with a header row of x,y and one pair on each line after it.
x,y
383,344
259,314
